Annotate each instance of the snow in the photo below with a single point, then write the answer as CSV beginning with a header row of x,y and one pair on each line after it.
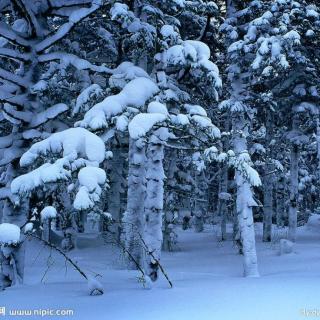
x,y
90,180
312,13
286,246
75,17
130,71
50,113
203,122
142,123
135,94
46,173
91,177
67,59
122,123
157,107
48,212
118,10
167,31
9,234
292,36
193,53
28,227
206,275
39,86
95,287
180,119
77,146
195,109
72,143
92,91
20,25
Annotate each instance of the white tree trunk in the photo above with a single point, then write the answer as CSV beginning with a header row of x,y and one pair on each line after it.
x,y
133,217
154,205
244,204
169,235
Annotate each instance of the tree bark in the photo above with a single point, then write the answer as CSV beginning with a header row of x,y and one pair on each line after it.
x,y
154,206
244,204
133,217
268,184
169,235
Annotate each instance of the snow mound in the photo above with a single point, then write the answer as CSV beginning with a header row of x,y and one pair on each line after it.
x,y
95,287
9,234
147,282
286,246
48,212
142,123
314,222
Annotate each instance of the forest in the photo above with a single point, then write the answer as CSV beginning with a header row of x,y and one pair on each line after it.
x,y
160,159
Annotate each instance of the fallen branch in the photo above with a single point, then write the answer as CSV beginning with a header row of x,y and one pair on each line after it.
x,y
146,249
61,252
156,260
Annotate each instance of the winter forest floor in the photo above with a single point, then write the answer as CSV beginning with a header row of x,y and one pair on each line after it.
x,y
206,274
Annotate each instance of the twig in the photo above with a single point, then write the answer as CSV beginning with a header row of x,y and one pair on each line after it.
x,y
61,252
155,259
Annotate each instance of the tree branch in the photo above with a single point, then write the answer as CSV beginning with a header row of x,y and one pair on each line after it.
x,y
50,245
10,35
11,77
14,55
74,18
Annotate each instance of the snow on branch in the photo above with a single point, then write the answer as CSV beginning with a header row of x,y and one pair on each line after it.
x,y
17,115
79,148
25,11
9,234
56,4
12,99
48,212
195,55
6,75
47,173
74,18
90,179
135,94
73,143
142,123
71,59
84,97
50,113
15,55
9,34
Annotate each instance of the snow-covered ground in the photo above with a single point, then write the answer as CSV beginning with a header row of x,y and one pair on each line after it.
x,y
207,278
